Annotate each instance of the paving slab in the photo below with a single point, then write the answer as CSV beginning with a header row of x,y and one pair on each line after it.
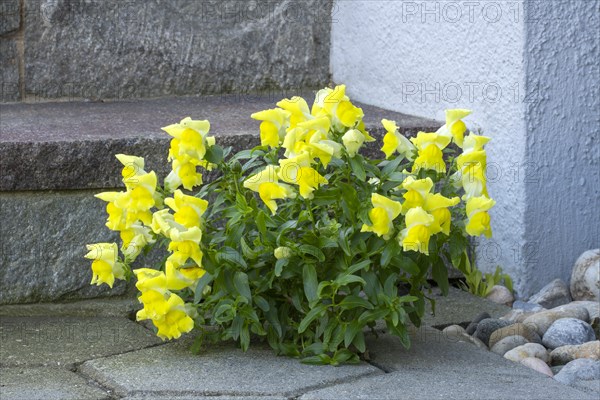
x,y
206,398
46,384
438,367
64,341
113,307
222,369
429,385
459,307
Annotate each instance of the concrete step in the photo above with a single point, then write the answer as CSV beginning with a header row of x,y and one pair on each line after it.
x,y
94,50
55,156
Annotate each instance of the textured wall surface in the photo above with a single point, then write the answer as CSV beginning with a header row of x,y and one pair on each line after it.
x,y
99,49
563,137
424,57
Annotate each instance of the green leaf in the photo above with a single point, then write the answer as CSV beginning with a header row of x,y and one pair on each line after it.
x,y
351,332
261,303
391,166
345,279
352,301
440,276
358,266
232,255
279,266
240,282
214,154
344,242
391,249
310,317
356,163
202,282
309,277
313,251
359,341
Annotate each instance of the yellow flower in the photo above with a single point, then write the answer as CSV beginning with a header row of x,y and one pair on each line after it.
x,y
334,104
176,319
454,127
189,139
135,238
324,149
416,235
430,156
184,173
417,191
353,140
437,205
185,245
163,222
472,164
149,279
269,189
188,209
381,215
479,219
181,278
132,167
273,126
106,266
294,142
140,193
297,108
394,141
348,114
117,216
297,171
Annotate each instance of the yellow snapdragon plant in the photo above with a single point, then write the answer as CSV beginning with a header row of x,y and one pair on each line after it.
x,y
304,240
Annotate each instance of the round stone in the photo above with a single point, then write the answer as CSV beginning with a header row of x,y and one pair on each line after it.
x,y
473,340
453,332
580,369
516,315
527,350
508,343
501,295
541,321
473,325
488,326
527,306
565,354
554,294
585,278
515,329
568,331
537,365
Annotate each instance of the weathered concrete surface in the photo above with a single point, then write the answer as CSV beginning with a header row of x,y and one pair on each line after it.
x,y
10,16
459,307
46,384
436,367
42,242
9,71
152,397
110,49
220,369
64,341
72,145
113,307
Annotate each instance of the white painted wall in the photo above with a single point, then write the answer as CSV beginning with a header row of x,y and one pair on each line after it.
x,y
421,57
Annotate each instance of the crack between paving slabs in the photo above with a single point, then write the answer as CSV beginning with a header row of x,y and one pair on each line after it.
x,y
76,368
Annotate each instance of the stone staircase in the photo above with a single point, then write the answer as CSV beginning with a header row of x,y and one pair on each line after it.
x,y
55,156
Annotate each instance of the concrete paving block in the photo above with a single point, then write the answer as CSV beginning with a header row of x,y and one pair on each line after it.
x,y
459,307
172,370
46,384
449,383
64,341
124,307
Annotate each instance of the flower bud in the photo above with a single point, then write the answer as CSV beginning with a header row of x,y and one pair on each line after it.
x,y
282,252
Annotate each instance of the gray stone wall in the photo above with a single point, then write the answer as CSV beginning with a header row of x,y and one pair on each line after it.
x,y
109,49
